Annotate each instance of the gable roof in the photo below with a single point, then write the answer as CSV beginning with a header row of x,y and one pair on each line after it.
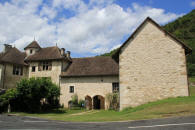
x,y
94,66
33,44
13,56
187,49
48,53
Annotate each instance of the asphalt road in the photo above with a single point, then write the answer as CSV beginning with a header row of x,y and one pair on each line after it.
x,y
28,123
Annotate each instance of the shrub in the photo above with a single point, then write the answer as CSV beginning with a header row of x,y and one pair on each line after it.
x,y
6,99
74,99
32,95
113,101
75,104
81,103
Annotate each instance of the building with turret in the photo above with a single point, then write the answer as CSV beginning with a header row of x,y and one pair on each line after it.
x,y
149,66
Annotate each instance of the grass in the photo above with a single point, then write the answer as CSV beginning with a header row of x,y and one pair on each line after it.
x,y
192,79
180,106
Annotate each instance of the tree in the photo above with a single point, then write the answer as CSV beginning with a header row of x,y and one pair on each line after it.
x,y
33,95
6,98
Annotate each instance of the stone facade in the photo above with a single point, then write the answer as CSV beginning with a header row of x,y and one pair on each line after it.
x,y
152,66
54,73
86,86
8,80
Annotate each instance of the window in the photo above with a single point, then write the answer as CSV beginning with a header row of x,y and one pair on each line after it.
x,y
44,66
17,70
115,87
31,51
33,68
71,89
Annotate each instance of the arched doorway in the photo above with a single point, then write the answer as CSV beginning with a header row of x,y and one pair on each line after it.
x,y
98,102
88,102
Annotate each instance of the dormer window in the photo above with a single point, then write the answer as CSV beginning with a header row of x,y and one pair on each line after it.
x,y
31,51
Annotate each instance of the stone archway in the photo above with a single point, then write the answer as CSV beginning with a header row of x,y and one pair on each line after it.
x,y
98,102
88,102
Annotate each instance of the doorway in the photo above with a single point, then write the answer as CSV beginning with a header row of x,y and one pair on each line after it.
x,y
88,102
98,102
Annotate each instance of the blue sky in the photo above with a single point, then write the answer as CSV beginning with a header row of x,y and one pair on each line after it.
x,y
176,6
84,27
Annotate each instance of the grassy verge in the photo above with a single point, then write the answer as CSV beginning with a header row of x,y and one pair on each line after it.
x,y
179,106
192,79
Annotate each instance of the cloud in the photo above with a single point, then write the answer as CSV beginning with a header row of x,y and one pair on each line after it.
x,y
95,27
192,4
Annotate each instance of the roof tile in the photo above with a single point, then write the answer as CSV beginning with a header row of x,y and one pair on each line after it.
x,y
94,66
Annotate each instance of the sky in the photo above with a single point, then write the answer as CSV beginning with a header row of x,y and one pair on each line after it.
x,y
84,27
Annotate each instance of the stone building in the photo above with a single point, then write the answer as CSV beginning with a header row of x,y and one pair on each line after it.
x,y
149,66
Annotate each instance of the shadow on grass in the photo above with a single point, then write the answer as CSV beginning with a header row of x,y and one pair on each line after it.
x,y
54,111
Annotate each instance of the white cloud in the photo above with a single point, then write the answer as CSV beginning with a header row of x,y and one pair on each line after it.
x,y
192,4
48,12
95,27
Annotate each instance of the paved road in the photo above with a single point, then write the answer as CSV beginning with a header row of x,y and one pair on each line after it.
x,y
27,123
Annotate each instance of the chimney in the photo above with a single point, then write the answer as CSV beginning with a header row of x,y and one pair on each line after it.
x,y
62,51
7,47
68,54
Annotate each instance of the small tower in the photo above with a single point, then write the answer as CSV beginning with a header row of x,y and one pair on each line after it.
x,y
32,48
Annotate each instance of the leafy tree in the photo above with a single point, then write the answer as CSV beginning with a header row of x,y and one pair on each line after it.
x,y
6,98
32,95
184,29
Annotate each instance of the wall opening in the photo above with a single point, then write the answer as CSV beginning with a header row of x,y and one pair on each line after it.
x,y
88,102
98,102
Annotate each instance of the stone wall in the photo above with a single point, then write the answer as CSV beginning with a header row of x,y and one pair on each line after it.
x,y
9,80
152,66
86,86
1,75
34,50
54,73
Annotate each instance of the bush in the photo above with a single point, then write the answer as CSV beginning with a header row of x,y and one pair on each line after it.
x,y
33,95
75,104
6,99
81,103
113,101
74,99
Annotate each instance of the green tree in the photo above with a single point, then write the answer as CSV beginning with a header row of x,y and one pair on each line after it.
x,y
6,99
32,95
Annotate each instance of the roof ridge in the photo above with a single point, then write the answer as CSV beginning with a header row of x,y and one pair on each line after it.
x,y
188,49
92,57
33,44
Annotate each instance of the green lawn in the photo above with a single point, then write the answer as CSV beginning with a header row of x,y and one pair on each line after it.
x,y
180,106
192,79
